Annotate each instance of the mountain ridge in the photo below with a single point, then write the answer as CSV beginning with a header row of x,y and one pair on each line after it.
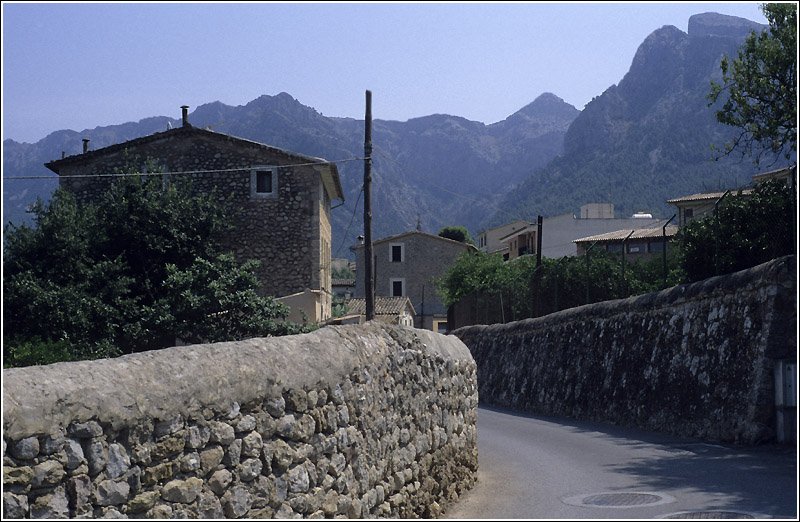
x,y
640,142
408,155
649,137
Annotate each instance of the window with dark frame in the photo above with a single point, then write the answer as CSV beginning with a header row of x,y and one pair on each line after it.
x,y
397,253
397,288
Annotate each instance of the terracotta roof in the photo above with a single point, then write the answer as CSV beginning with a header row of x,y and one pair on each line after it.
x,y
619,235
708,196
383,305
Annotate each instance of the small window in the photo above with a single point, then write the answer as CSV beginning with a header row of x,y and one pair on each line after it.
x,y
656,246
397,253
397,287
263,181
440,326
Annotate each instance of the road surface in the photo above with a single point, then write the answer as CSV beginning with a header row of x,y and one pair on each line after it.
x,y
539,467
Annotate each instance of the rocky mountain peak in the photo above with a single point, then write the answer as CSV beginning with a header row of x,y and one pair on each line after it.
x,y
715,24
548,105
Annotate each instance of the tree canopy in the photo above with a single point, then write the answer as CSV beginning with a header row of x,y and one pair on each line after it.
x,y
138,270
761,88
744,232
457,233
522,290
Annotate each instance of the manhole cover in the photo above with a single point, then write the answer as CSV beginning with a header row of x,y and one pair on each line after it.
x,y
620,499
711,514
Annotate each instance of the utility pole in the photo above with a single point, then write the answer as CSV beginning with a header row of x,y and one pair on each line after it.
x,y
624,247
368,281
539,241
588,267
664,251
716,233
537,271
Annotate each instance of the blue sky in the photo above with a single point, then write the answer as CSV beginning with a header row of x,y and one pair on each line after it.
x,y
82,65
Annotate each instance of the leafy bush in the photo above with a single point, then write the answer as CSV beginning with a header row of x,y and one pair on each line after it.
x,y
523,290
137,271
460,234
744,232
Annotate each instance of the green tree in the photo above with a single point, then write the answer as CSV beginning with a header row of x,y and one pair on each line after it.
x,y
744,232
460,234
761,87
523,290
130,273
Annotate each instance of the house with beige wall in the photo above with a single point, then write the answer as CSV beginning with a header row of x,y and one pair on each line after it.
x,y
489,240
641,243
698,205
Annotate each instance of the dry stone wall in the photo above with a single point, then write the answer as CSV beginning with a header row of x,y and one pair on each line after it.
x,y
695,360
347,422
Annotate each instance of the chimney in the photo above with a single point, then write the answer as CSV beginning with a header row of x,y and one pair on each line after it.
x,y
185,113
63,154
85,145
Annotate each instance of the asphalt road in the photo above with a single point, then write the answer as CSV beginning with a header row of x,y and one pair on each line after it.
x,y
539,467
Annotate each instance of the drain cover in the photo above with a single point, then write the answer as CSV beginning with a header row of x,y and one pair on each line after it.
x,y
619,499
711,514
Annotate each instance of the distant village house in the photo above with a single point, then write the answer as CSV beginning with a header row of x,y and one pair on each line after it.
x,y
391,310
636,244
407,265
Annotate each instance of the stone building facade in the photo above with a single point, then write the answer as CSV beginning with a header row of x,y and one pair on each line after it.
x,y
407,265
280,201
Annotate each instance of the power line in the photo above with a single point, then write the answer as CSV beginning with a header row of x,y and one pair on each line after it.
x,y
182,172
344,236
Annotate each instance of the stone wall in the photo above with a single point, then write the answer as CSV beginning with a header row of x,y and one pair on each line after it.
x,y
350,421
695,360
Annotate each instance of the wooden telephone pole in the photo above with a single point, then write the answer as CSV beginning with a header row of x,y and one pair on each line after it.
x,y
369,287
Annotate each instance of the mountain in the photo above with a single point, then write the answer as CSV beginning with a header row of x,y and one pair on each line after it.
x,y
649,138
439,169
641,142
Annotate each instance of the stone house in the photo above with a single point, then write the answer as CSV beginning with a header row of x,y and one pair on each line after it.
x,y
406,265
280,200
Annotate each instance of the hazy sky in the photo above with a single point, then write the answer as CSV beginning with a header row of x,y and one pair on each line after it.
x,y
82,65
